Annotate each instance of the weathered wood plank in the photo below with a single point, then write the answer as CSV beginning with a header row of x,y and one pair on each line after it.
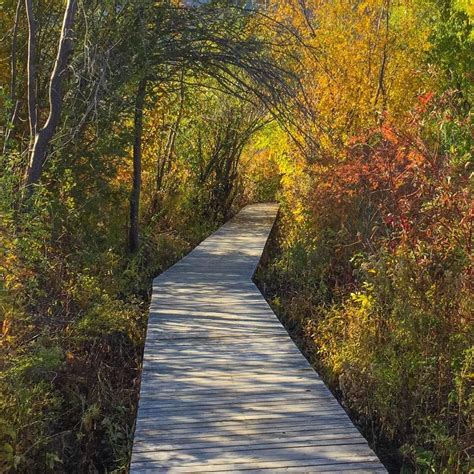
x,y
213,454
224,388
219,416
199,404
258,441
227,460
248,434
226,426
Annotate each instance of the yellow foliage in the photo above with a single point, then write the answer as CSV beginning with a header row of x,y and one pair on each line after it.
x,y
359,61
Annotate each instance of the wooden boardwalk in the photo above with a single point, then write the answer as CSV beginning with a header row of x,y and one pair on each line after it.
x,y
224,388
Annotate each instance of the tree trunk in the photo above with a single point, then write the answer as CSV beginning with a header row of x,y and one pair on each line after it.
x,y
134,230
42,138
13,77
164,162
13,63
31,70
381,86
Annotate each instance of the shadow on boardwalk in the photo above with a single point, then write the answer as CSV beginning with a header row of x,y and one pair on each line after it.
x,y
224,388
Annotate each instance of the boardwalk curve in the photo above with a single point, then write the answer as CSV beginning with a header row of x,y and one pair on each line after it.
x,y
224,388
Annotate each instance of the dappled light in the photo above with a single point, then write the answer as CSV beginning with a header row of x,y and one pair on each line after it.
x,y
236,235
223,386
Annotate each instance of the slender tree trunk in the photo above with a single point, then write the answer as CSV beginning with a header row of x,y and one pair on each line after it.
x,y
381,85
164,164
31,70
42,138
13,63
13,76
134,230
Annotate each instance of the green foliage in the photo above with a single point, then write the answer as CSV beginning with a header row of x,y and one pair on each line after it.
x,y
453,42
29,404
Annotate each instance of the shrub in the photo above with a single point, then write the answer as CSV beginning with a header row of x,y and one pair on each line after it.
x,y
378,281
